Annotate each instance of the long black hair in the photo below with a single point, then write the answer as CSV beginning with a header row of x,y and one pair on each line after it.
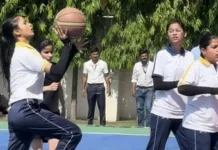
x,y
7,45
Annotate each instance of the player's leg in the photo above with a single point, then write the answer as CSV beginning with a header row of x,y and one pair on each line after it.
x,y
36,143
19,137
3,104
148,104
53,143
45,124
19,140
91,96
100,97
197,140
140,103
53,126
179,133
160,130
214,141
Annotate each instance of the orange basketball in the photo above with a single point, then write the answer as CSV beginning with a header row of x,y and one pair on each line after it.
x,y
73,20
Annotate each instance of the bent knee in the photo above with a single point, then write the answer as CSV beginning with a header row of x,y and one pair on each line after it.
x,y
78,137
75,136
75,132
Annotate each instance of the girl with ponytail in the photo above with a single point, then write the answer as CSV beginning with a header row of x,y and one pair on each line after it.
x,y
24,69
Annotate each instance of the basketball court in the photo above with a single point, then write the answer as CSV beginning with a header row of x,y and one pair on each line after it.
x,y
104,138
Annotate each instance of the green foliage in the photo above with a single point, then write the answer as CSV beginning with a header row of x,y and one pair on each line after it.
x,y
136,24
42,15
142,24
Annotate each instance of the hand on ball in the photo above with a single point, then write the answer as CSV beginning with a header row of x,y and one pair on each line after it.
x,y
61,34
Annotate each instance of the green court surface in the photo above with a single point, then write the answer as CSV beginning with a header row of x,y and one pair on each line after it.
x,y
103,130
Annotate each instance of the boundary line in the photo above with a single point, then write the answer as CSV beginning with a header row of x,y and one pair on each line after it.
x,y
106,133
102,133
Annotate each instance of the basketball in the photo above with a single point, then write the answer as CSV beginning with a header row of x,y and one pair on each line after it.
x,y
73,20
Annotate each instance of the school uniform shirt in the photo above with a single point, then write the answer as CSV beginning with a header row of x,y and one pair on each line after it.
x,y
95,72
26,73
170,66
202,110
142,75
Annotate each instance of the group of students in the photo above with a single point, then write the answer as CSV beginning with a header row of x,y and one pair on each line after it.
x,y
185,90
185,100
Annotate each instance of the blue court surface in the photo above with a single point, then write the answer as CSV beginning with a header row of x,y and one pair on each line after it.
x,y
106,138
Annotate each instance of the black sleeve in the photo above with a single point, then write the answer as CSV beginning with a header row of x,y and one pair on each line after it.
x,y
159,84
191,90
58,70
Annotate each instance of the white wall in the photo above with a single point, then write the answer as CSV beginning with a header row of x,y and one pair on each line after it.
x,y
121,105
127,104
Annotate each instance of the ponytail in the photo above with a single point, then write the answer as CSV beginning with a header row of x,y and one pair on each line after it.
x,y
7,45
6,53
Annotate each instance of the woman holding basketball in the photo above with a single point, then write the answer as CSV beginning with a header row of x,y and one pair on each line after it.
x,y
24,69
200,84
168,106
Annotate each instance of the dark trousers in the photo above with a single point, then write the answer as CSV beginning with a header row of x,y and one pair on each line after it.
x,y
160,130
96,92
26,119
144,97
201,140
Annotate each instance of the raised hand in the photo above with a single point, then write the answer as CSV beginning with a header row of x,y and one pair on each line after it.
x,y
82,44
61,34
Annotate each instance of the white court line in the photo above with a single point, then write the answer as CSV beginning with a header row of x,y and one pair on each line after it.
x,y
103,133
3,129
115,133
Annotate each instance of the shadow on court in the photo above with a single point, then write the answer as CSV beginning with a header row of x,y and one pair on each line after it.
x,y
104,142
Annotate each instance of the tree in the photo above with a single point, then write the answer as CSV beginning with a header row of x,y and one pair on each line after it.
x,y
120,27
41,13
139,23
